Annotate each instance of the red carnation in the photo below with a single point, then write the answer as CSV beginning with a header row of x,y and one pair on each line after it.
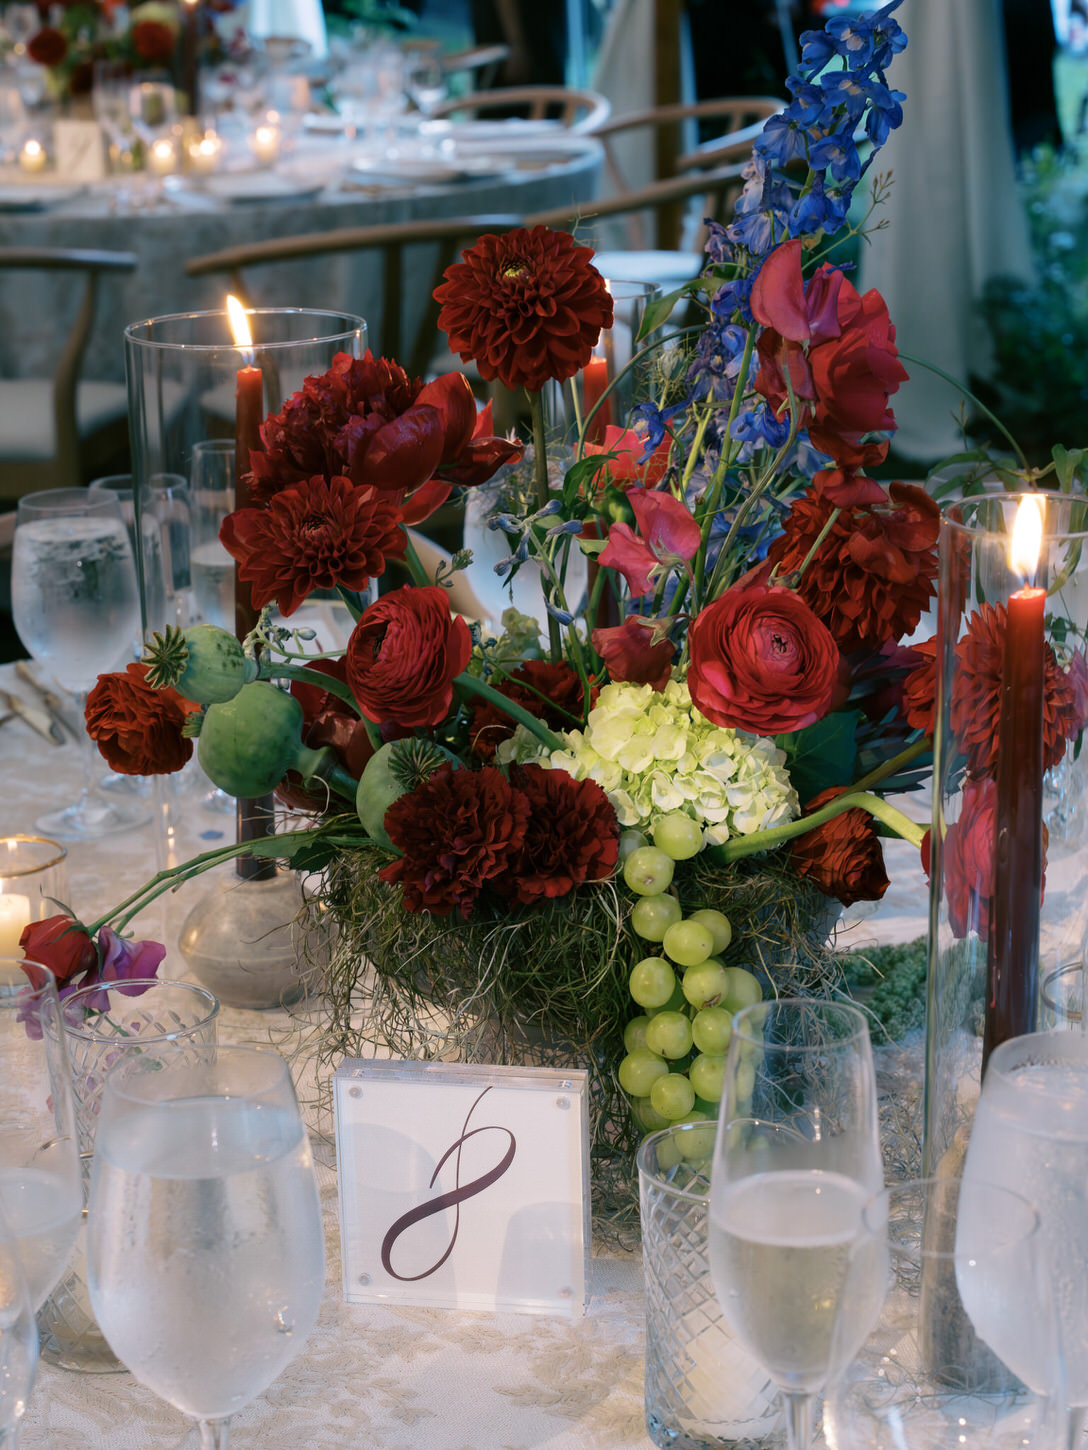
x,y
526,307
404,655
61,944
48,47
631,654
571,837
871,576
152,41
551,692
760,660
313,535
458,832
843,856
137,728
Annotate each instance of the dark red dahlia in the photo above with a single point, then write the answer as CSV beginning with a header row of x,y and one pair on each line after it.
x,y
572,836
551,692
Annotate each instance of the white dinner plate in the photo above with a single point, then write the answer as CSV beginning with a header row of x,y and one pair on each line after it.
x,y
35,195
421,171
250,186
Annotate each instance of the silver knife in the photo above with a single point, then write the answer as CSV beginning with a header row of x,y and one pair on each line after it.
x,y
37,719
52,702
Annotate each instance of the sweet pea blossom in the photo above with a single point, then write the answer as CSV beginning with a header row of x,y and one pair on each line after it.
x,y
668,536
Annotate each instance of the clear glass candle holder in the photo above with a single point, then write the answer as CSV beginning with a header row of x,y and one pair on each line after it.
x,y
33,879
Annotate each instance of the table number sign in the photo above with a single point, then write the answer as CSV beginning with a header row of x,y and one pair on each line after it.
x,y
79,150
463,1187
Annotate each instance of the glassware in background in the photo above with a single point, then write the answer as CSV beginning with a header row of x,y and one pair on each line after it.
x,y
211,480
369,91
703,1389
1030,1134
217,1282
1062,999
960,1346
102,1025
795,1161
110,100
425,80
153,108
40,1195
12,119
33,880
75,605
164,545
18,1340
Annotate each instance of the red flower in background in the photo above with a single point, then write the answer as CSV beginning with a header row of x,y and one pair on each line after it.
x,y
968,860
527,307
152,40
458,831
836,347
47,47
327,720
872,575
630,654
624,467
760,660
571,836
319,534
920,689
843,856
404,655
667,536
550,691
137,728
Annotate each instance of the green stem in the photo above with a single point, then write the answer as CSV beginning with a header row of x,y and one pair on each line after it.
x,y
889,767
543,497
972,397
758,841
415,564
342,691
470,685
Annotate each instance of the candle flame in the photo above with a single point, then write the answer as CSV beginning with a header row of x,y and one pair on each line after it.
x,y
239,323
1027,536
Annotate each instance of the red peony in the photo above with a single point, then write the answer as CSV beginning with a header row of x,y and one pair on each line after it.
x,y
47,47
404,655
843,856
760,660
152,41
459,832
61,944
871,576
837,349
631,654
526,307
319,534
137,728
327,721
572,836
552,692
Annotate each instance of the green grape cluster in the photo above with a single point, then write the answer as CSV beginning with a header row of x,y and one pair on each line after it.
x,y
674,1067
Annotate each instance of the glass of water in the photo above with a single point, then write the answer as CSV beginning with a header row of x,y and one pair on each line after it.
x,y
76,607
205,1245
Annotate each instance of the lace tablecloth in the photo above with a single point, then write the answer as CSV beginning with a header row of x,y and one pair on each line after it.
x,y
379,1377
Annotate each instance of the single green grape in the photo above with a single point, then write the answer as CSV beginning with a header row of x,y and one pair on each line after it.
x,y
647,1116
698,1145
639,1070
648,871
678,835
704,984
687,943
742,991
652,982
707,1074
669,1035
651,916
718,924
634,1034
676,1003
672,1096
711,1029
630,840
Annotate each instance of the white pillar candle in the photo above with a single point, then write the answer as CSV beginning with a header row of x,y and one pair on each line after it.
x,y
14,916
265,144
32,157
162,158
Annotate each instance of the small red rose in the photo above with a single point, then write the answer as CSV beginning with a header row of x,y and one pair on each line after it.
x,y
843,855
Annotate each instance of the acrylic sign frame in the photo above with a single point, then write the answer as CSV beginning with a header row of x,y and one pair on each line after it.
x,y
463,1187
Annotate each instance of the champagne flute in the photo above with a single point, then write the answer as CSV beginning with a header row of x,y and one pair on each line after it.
x,y
947,1333
1031,1132
41,1195
796,1158
76,607
217,1279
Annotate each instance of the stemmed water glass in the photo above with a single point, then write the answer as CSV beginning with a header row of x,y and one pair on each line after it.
x,y
153,108
796,1158
425,82
217,1279
76,607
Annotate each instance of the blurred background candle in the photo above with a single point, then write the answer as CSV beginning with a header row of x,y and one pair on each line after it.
x,y
14,917
32,157
162,157
205,153
265,144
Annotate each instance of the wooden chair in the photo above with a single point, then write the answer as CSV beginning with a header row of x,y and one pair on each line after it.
x,y
55,432
480,64
578,110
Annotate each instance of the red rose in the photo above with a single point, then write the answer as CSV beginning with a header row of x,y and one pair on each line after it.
x,y
871,575
526,307
837,349
571,836
843,856
152,41
631,654
48,47
327,720
551,692
404,655
137,728
314,535
760,660
458,832
61,944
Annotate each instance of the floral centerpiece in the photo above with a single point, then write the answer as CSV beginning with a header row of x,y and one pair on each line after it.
x,y
599,833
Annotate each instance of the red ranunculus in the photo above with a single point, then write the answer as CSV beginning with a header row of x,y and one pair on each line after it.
x,y
571,837
630,653
404,655
458,832
550,691
760,660
47,47
61,944
319,534
152,41
327,721
667,536
527,307
837,349
843,856
137,728
871,575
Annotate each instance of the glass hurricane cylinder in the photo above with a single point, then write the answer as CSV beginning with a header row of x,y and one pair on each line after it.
x,y
32,881
1008,850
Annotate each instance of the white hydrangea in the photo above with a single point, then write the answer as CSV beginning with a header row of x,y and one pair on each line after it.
x,y
652,752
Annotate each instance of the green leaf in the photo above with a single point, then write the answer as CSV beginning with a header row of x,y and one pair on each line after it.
x,y
660,310
821,755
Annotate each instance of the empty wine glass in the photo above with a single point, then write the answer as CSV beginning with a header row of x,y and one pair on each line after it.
x,y
153,108
18,1340
76,607
425,82
958,1348
796,1158
216,1281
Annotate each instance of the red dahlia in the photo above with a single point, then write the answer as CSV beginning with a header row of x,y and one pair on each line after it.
x,y
137,728
526,307
571,837
551,692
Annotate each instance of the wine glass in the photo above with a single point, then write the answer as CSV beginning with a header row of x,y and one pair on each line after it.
x,y
76,607
796,1158
41,1195
947,1333
18,1340
153,108
425,82
216,1281
1030,1133
110,100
